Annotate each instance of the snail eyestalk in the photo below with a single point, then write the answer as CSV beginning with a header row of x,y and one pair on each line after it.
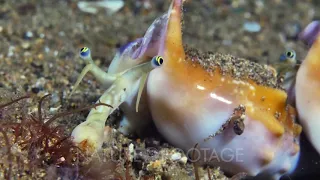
x,y
85,54
156,62
81,76
102,76
287,64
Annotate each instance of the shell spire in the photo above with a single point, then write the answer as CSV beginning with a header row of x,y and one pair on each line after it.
x,y
173,46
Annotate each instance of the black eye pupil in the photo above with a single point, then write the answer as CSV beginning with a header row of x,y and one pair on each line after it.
x,y
289,54
160,61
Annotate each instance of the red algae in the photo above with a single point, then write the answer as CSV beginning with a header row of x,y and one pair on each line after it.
x,y
35,149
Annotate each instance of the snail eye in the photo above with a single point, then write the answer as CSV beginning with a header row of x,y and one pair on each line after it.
x,y
157,61
290,54
85,52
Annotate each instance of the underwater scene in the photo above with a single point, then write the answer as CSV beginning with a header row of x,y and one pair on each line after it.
x,y
160,89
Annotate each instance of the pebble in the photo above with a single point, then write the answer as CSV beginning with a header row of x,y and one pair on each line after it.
x,y
46,49
28,35
176,156
252,26
40,82
25,45
55,53
92,7
154,166
35,90
183,160
11,51
54,109
131,151
62,33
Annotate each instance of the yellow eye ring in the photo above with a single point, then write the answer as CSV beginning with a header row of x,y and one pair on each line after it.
x,y
84,49
290,54
85,52
159,60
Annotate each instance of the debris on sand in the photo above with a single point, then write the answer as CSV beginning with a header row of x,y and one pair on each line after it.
x,y
112,6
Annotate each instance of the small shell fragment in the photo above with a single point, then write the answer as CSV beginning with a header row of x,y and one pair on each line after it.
x,y
112,6
252,26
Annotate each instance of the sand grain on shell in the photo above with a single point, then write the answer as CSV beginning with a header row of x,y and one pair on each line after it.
x,y
238,68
